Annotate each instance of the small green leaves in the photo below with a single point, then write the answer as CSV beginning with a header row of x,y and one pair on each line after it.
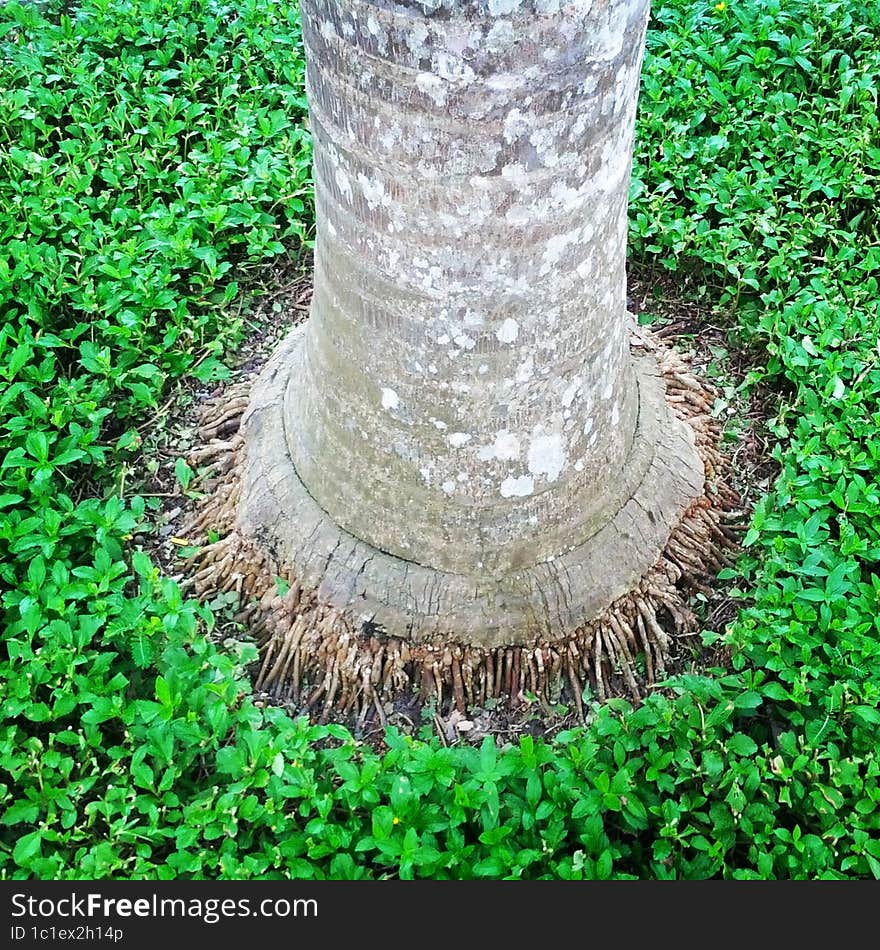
x,y
154,155
741,744
142,652
27,848
183,473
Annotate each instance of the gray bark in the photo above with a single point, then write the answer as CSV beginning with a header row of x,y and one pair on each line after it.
x,y
464,405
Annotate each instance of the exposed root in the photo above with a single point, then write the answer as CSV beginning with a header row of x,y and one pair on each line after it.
x,y
313,657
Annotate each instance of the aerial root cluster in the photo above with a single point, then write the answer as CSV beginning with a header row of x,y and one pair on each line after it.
x,y
313,658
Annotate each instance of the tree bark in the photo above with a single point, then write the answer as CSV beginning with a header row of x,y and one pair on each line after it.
x,y
460,443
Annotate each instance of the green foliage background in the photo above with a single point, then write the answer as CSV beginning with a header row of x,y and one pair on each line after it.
x,y
151,151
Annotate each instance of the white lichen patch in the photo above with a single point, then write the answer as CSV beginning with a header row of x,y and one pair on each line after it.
x,y
613,167
448,486
503,82
343,183
516,124
525,370
390,399
570,393
545,145
516,173
508,331
451,67
519,214
415,37
459,439
372,190
389,138
506,446
587,268
556,247
433,87
546,455
559,195
500,36
459,37
502,7
464,341
517,487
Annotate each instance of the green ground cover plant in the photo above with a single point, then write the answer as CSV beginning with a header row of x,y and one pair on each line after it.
x,y
152,153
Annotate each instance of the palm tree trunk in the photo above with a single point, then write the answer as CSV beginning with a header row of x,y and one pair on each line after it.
x,y
461,443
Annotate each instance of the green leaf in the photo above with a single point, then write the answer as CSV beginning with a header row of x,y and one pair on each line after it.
x,y
142,564
26,848
141,651
775,691
866,715
604,865
37,572
749,700
37,445
382,822
163,692
741,744
23,812
20,356
183,473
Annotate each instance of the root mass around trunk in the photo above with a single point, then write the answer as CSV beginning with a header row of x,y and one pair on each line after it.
x,y
323,651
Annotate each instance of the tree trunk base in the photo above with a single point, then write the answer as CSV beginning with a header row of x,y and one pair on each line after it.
x,y
343,626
